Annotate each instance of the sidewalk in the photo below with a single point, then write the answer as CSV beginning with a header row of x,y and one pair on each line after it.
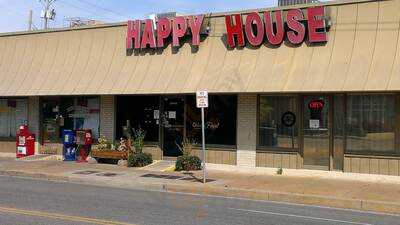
x,y
342,190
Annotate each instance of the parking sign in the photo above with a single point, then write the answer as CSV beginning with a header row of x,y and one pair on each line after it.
x,y
202,99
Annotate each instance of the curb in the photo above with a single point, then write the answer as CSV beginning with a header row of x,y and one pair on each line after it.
x,y
355,204
229,192
41,176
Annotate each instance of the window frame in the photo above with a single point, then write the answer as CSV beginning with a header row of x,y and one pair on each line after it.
x,y
58,99
298,149
396,152
222,147
3,138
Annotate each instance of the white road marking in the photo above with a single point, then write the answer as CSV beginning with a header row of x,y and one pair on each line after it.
x,y
300,216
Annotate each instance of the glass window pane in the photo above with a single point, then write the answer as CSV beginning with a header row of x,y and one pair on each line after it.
x,y
13,113
71,113
141,111
338,131
220,120
278,121
370,124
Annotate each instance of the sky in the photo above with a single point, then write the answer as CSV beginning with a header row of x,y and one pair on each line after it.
x,y
14,13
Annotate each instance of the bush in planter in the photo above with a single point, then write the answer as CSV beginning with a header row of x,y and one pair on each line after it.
x,y
139,159
187,163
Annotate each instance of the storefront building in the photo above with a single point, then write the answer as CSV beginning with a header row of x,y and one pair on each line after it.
x,y
316,88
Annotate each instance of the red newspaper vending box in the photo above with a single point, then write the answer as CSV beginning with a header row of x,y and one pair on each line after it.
x,y
25,142
84,141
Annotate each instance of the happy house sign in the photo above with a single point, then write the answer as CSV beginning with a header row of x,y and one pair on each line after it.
x,y
256,28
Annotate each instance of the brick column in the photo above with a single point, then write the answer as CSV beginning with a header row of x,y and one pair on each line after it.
x,y
34,120
246,130
107,117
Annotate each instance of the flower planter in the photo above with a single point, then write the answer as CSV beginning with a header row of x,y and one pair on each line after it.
x,y
109,154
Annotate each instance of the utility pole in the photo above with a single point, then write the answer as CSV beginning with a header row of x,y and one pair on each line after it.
x,y
30,21
47,14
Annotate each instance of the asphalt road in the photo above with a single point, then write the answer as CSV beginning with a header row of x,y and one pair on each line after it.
x,y
28,201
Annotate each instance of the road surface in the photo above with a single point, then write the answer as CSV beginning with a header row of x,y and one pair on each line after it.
x,y
29,201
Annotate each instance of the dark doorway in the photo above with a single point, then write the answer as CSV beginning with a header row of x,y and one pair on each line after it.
x,y
172,125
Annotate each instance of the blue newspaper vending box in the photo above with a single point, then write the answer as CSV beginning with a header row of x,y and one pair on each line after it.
x,y
69,145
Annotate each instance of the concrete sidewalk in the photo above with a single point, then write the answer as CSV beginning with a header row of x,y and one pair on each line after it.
x,y
353,191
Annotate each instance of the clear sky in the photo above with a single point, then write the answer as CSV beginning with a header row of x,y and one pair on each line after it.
x,y
14,13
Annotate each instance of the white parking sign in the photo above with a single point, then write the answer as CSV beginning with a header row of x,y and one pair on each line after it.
x,y
202,99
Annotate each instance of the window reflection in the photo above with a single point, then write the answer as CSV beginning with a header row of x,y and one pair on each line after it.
x,y
141,111
370,124
273,130
220,120
13,113
69,113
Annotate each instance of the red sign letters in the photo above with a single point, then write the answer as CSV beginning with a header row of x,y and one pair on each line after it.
x,y
316,105
273,28
142,34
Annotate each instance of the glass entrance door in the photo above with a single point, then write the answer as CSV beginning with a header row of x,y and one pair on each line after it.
x,y
316,132
172,124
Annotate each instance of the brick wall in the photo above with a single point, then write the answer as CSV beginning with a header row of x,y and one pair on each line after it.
x,y
247,130
107,117
34,119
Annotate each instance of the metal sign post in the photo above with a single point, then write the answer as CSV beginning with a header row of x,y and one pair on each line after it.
x,y
203,145
202,102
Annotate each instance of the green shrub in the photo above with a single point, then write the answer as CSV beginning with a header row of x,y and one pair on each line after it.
x,y
187,163
139,159
279,171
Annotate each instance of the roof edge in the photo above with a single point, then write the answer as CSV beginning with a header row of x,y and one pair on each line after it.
x,y
218,14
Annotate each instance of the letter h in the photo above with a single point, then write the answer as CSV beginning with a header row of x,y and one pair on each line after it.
x,y
133,34
236,29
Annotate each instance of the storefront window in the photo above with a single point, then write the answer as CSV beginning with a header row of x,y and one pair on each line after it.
x,y
13,113
338,131
140,111
278,122
370,124
220,120
69,113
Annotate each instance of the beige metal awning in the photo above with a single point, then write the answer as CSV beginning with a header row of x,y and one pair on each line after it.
x,y
362,54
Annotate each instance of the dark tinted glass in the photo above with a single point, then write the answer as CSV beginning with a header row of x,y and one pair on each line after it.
x,y
141,111
220,120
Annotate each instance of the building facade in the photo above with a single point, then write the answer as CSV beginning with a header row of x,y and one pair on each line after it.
x,y
331,105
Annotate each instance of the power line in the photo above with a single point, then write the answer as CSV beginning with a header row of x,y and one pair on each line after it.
x,y
84,10
102,8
